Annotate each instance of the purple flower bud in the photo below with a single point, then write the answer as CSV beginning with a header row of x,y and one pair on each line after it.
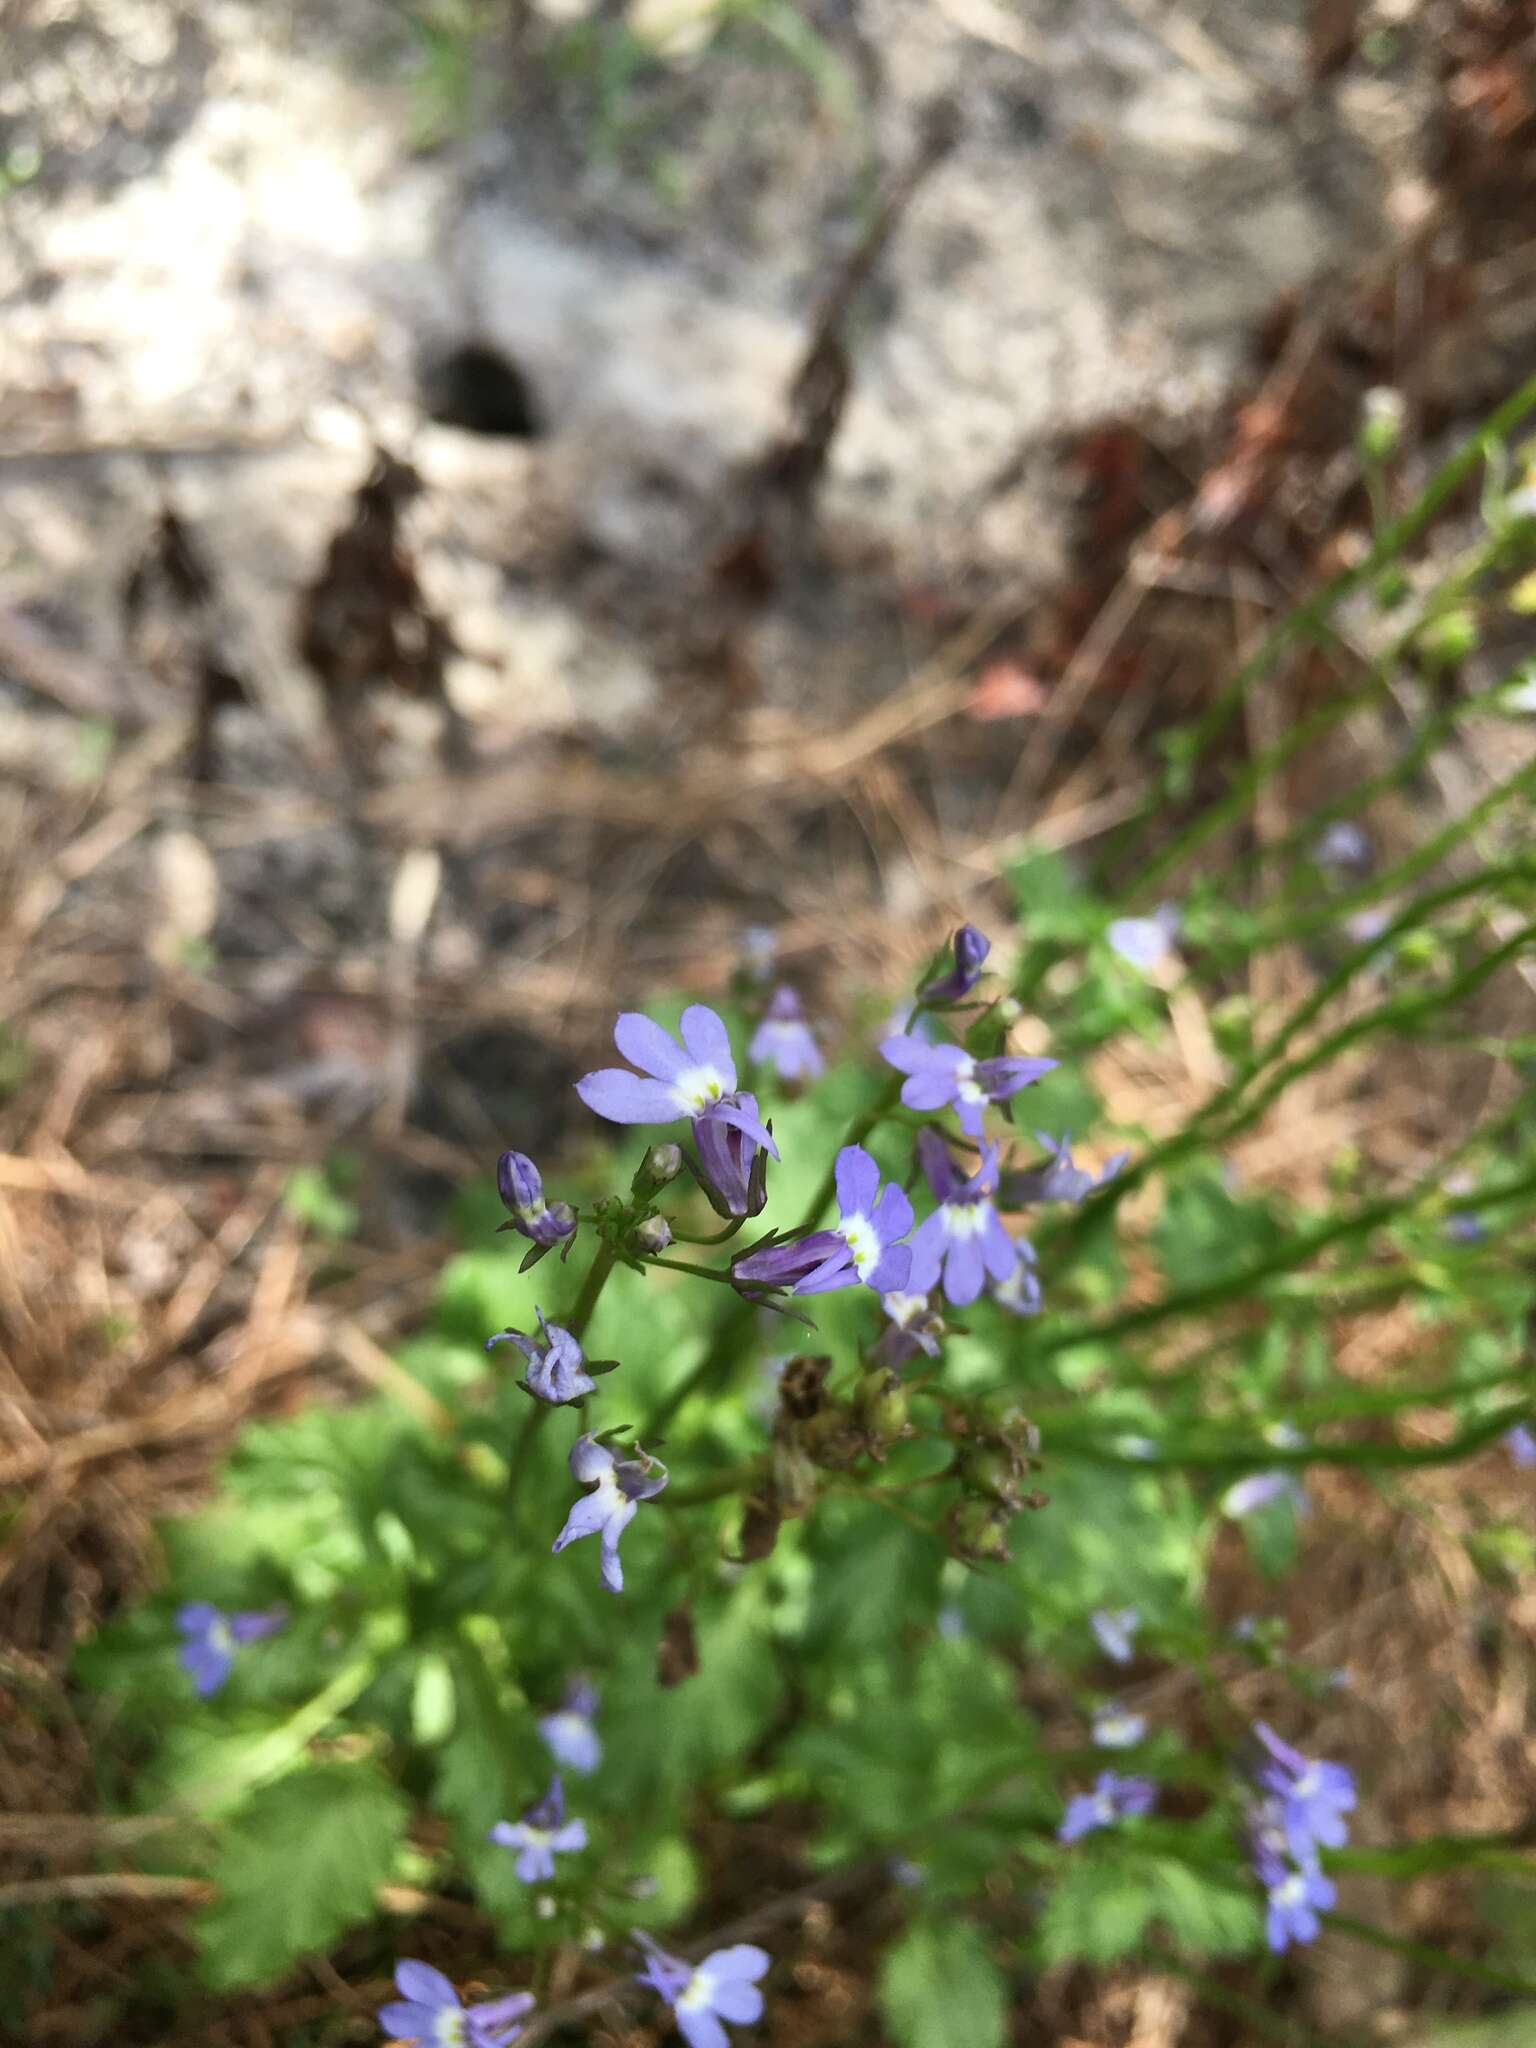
x,y
783,1040
1259,1490
863,1247
941,1075
1344,845
619,1485
653,1235
210,1638
734,1147
722,1987
541,1835
522,1193
555,1366
1520,1442
1113,1798
429,2010
971,948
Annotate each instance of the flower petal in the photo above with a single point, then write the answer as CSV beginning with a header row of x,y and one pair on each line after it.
x,y
708,1043
403,2022
423,1985
743,1959
701,2029
736,2000
858,1180
587,1516
623,1098
617,1522
893,1270
743,1118
892,1214
927,1250
646,1046
963,1271
589,1460
930,1089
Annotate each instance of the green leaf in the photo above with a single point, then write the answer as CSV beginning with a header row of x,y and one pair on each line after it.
x,y
939,1988
300,1867
1106,1899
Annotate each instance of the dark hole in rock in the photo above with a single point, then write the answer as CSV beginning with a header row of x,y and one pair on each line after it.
x,y
475,387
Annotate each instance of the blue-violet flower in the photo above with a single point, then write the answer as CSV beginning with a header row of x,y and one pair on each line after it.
x,y
429,2012
1112,1798
733,1159
863,1247
722,1987
620,1486
541,1835
783,1040
569,1734
963,1242
938,1075
1145,942
1313,1797
210,1638
1116,1727
1114,1631
555,1367
1058,1178
674,1080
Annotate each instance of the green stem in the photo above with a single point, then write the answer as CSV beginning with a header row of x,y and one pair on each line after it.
x,y
1263,1457
1433,1958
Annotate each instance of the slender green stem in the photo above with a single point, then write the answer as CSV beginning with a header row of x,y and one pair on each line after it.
x,y
1265,1457
1433,1958
694,1272
714,1237
576,1321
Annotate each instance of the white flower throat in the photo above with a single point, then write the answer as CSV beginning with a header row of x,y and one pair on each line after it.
x,y
858,1233
698,1087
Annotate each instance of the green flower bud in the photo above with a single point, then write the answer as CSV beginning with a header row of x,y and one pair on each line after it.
x,y
661,1164
994,1471
881,1406
1381,424
977,1533
1447,641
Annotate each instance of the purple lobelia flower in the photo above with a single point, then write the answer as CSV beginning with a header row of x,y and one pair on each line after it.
x,y
863,1247
428,2012
1115,1727
702,1995
621,1485
733,1162
938,1075
1112,1798
1520,1442
963,1241
541,1835
783,1040
1295,1898
1114,1630
913,1326
569,1734
555,1366
1260,1490
210,1638
971,948
1344,845
1058,1178
1312,1797
521,1188
1020,1292
1145,942
674,1080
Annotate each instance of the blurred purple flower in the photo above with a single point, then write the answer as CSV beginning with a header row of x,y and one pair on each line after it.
x,y
1464,1226
1146,942
722,1987
734,1147
1020,1292
756,951
541,1835
1058,1178
1312,1797
210,1638
429,2012
522,1191
1260,1489
963,1242
863,1247
940,1075
569,1734
1520,1442
971,948
1112,1798
621,1485
913,1325
555,1366
1114,1631
783,1040
1344,845
1115,1727
1296,1897
674,1080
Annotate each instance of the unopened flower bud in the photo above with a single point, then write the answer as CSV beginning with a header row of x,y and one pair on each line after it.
x,y
977,1532
760,1520
881,1406
653,1235
1447,641
830,1438
661,1164
1381,424
993,1471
